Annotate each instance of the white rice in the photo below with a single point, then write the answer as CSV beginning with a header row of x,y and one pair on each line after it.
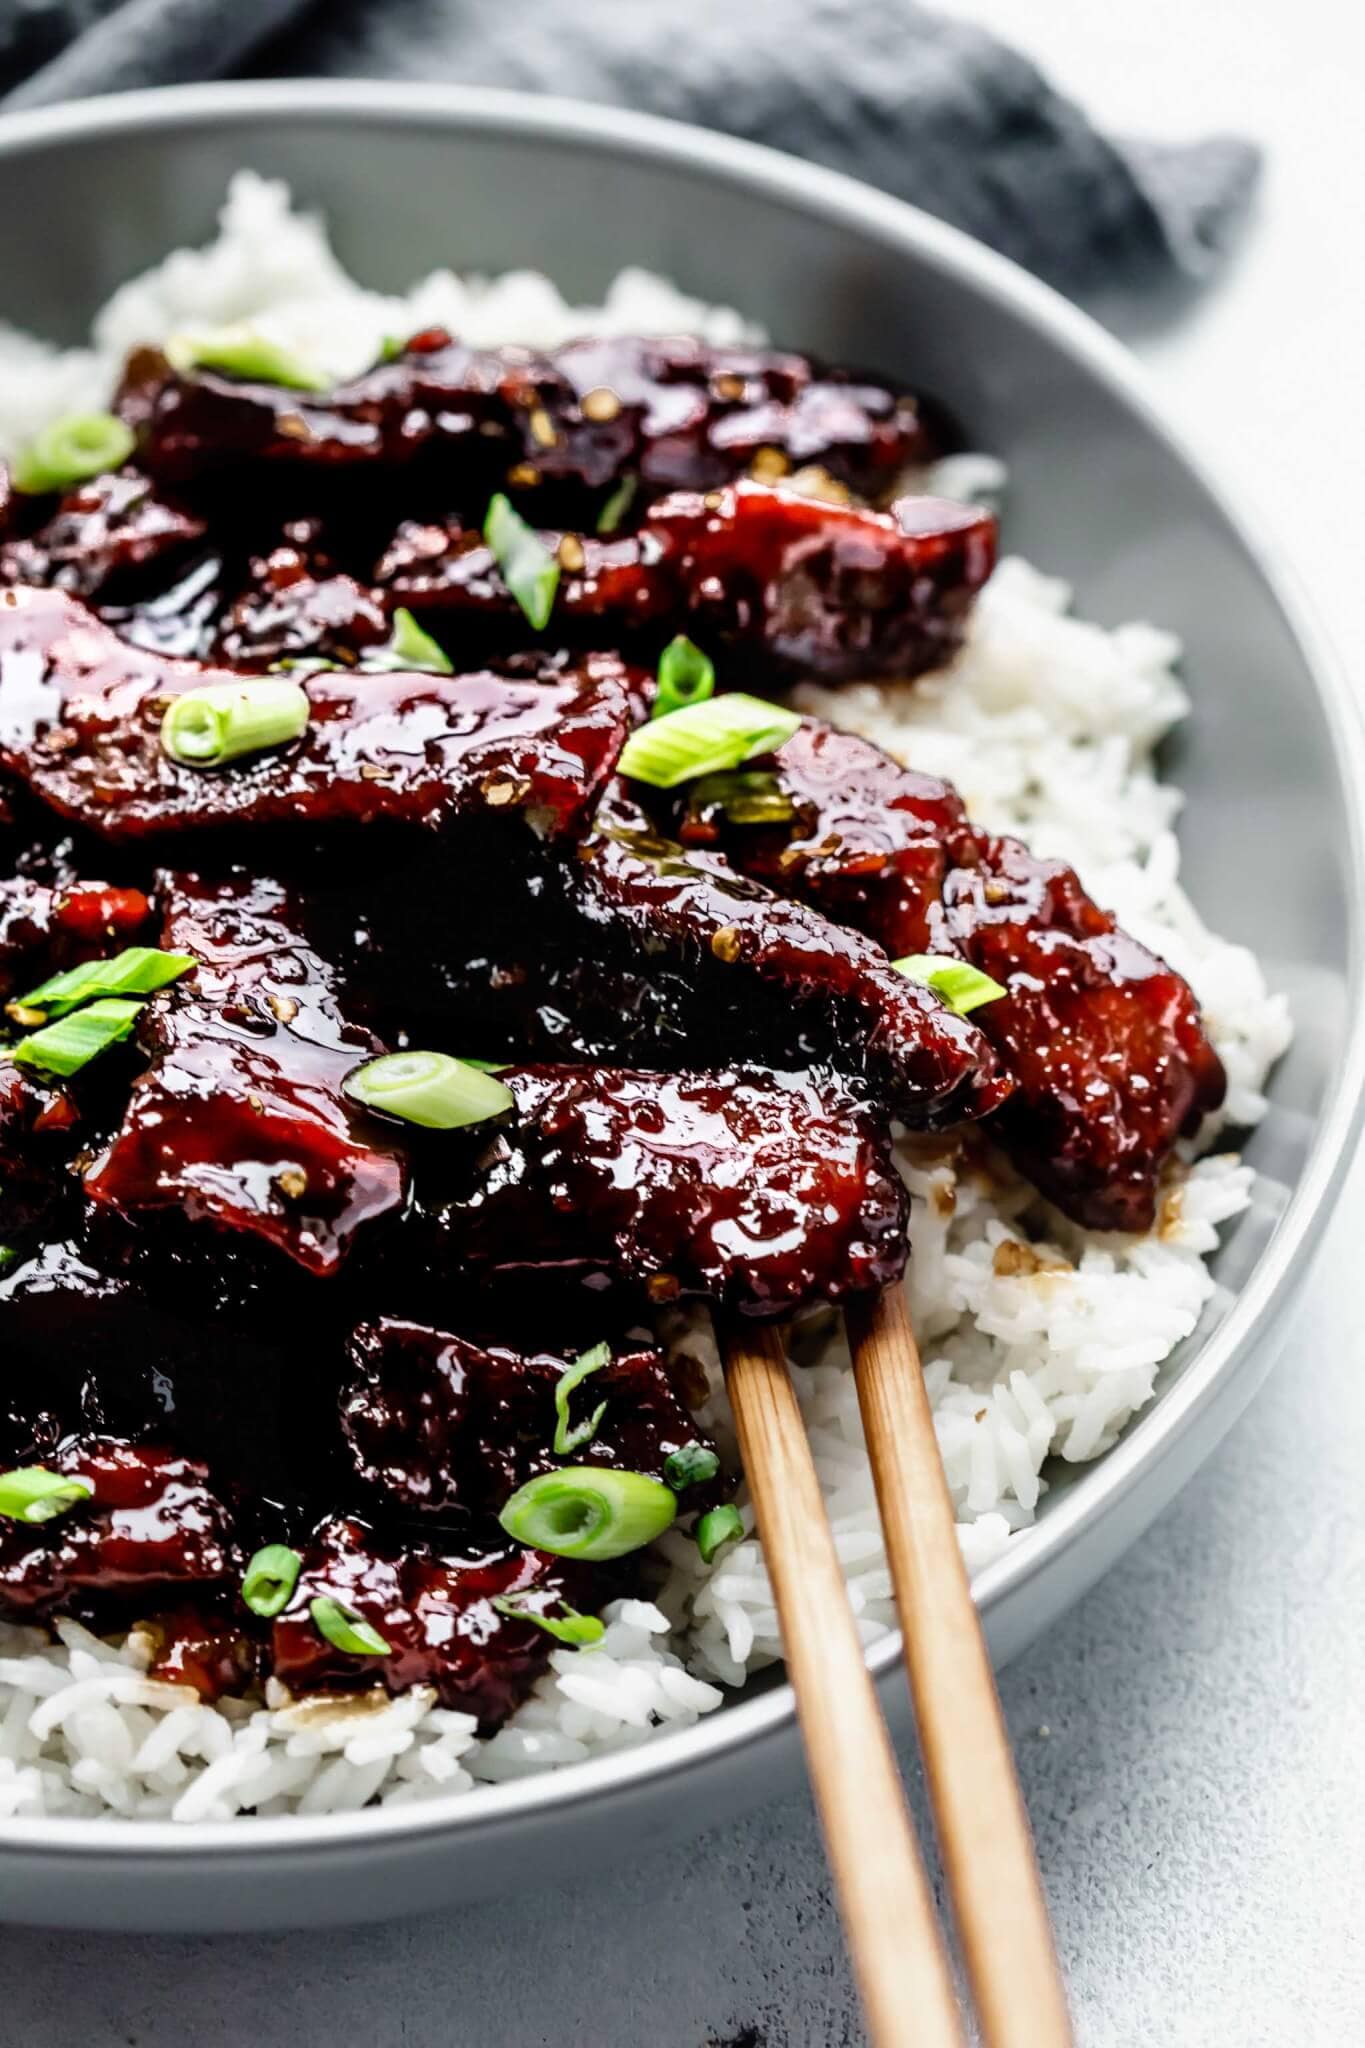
x,y
1048,726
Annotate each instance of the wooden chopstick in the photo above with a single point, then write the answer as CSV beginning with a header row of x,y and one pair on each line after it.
x,y
984,1838
888,1908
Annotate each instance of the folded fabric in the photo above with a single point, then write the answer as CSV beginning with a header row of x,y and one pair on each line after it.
x,y
934,110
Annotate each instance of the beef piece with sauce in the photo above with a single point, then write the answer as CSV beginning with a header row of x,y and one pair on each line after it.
x,y
240,1121
784,584
761,1193
81,710
152,1522
675,956
432,1604
296,605
107,539
202,1644
437,1425
639,952
675,413
153,1335
44,930
1110,1058
1102,1040
40,1122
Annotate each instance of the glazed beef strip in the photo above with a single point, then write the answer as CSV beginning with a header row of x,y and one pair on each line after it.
x,y
761,1193
81,710
240,1119
432,1605
294,605
676,957
108,539
437,1426
1103,1041
43,931
150,1521
151,1336
674,413
783,585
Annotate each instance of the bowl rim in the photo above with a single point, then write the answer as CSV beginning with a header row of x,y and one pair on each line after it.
x,y
1150,1440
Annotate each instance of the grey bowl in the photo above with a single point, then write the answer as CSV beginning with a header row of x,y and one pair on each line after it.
x,y
1101,492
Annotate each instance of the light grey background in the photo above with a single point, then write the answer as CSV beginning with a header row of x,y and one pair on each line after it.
x,y
1197,1798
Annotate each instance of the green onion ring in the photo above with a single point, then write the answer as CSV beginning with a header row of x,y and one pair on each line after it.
x,y
70,451
221,722
589,1512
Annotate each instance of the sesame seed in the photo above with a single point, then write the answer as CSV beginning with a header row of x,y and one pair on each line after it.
x,y
600,405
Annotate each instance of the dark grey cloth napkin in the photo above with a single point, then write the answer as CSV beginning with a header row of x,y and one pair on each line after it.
x,y
931,109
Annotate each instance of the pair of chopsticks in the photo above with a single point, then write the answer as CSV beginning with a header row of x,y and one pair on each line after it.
x,y
987,1851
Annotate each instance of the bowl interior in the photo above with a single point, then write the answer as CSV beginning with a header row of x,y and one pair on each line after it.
x,y
1098,492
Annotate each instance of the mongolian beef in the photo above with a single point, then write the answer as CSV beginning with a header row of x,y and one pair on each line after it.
x,y
431,947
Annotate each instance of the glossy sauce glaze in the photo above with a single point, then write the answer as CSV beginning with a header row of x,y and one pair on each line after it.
x,y
433,1608
724,967
44,930
1103,1042
781,584
241,1119
436,1425
80,723
673,412
153,1521
762,1193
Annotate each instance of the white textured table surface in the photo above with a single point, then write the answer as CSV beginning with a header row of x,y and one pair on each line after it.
x,y
1198,1797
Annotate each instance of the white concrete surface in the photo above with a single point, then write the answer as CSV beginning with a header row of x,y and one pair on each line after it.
x,y
1198,1798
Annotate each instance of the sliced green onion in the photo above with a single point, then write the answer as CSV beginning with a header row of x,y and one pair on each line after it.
x,y
429,1088
705,739
344,1628
303,665
617,505
488,1066
567,1440
9,1256
748,796
33,1494
83,444
391,347
209,727
137,971
577,1629
239,351
409,647
962,986
686,676
65,1047
270,1579
717,1528
589,1511
529,570
693,1465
